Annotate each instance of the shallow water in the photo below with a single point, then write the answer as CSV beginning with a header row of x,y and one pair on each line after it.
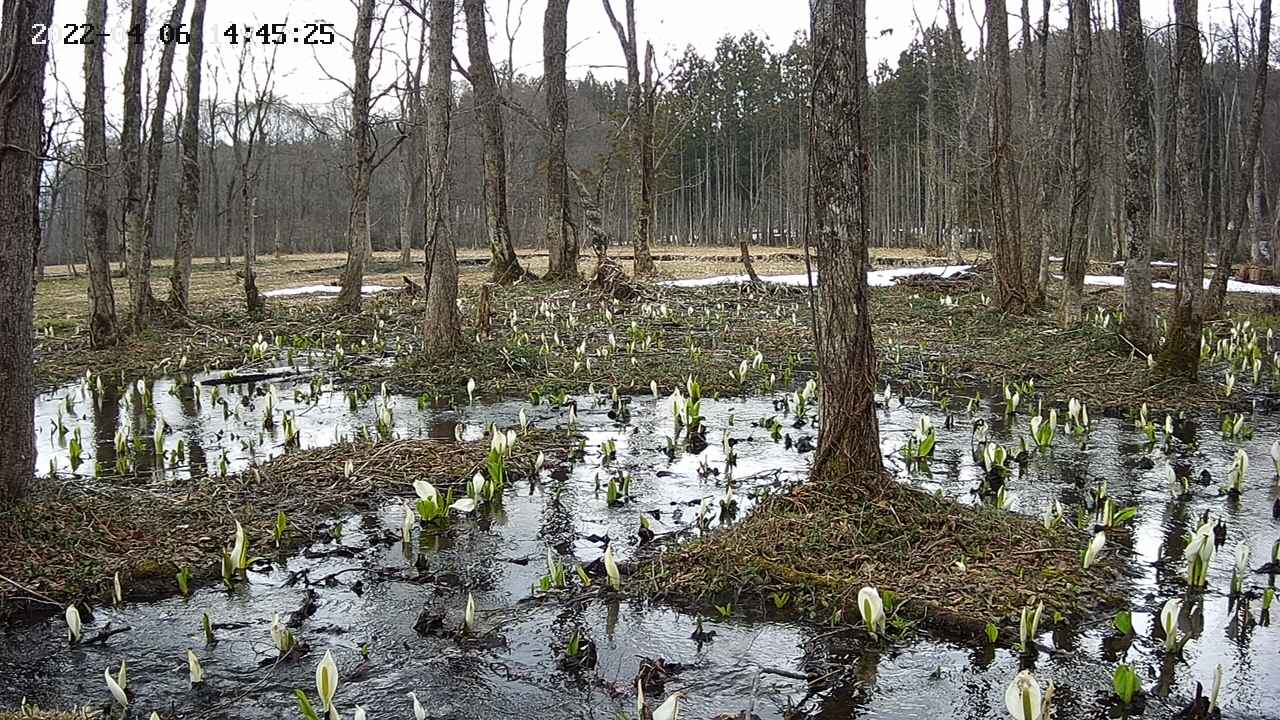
x,y
369,593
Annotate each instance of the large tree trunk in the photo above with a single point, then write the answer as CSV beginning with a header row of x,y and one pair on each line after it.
x,y
639,133
1257,214
189,175
561,246
1075,256
849,440
1240,203
1010,290
1138,323
21,131
361,171
254,302
103,327
135,232
442,328
503,264
1181,354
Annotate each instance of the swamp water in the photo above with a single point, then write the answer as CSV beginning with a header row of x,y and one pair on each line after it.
x,y
366,595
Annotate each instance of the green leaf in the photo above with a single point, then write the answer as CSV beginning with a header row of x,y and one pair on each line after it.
x,y
1123,622
304,705
993,633
1126,683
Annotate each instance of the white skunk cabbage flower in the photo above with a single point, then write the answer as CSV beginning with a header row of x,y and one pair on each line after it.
x,y
117,686
524,421
279,634
872,609
1023,697
1201,544
193,667
669,709
327,682
74,627
476,486
360,713
419,712
1095,547
539,462
1169,622
465,506
653,388
240,549
406,524
469,615
425,490
611,568
1275,455
471,391
639,698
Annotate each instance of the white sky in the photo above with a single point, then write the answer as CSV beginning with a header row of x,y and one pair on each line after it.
x,y
670,24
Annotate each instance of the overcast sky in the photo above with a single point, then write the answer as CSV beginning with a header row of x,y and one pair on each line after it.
x,y
670,24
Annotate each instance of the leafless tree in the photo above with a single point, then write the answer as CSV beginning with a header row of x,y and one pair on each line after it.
x,y
362,158
640,133
1010,289
22,64
1249,151
1181,353
839,167
561,244
1076,248
103,326
189,174
1138,325
442,327
134,223
503,264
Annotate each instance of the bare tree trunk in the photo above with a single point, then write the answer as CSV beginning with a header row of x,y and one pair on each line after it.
x,y
189,175
1181,354
1010,290
1075,254
103,326
1217,294
639,131
563,248
135,232
849,440
155,153
1138,323
503,263
1257,214
21,132
411,160
442,328
361,170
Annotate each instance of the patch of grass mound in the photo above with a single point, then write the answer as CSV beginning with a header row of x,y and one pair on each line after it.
x,y
821,543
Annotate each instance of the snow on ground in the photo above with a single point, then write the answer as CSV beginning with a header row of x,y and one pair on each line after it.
x,y
885,278
320,290
875,278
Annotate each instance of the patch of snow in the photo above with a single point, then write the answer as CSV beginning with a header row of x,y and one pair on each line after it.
x,y
875,278
1232,285
321,290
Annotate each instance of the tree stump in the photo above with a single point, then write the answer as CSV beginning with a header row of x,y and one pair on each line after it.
x,y
484,310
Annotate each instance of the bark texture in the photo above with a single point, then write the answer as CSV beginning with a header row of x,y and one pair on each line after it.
x,y
561,245
103,327
1075,256
189,173
1181,353
1010,290
850,438
639,133
442,328
1253,131
360,172
135,231
21,132
155,153
1138,323
503,263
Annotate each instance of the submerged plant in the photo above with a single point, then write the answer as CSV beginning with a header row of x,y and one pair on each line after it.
x,y
1241,568
1028,626
74,627
469,615
1042,432
1126,684
194,669
1079,415
1094,548
921,442
1239,468
611,569
282,636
